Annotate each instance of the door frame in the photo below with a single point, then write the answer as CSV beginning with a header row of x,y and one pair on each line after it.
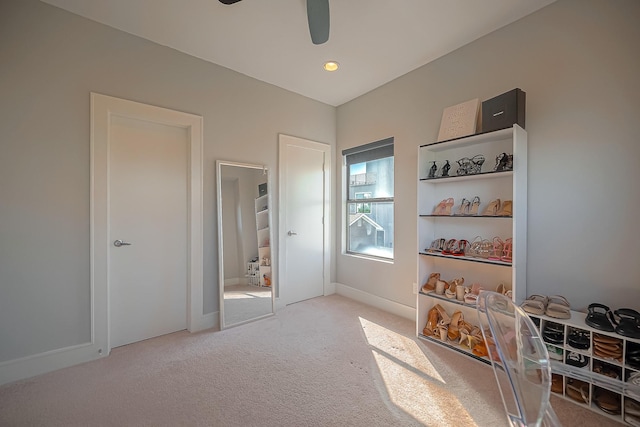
x,y
104,107
284,141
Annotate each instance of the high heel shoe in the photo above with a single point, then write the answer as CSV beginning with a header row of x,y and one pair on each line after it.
x,y
449,247
460,248
475,205
493,208
473,250
432,322
507,250
445,169
432,170
452,291
496,252
506,209
440,208
453,332
465,166
477,161
463,209
448,205
430,285
437,245
504,162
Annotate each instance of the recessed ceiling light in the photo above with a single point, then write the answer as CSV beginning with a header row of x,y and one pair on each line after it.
x,y
331,66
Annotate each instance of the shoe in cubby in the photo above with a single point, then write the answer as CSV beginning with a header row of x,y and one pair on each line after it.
x,y
632,355
579,339
607,369
577,390
608,401
553,332
576,359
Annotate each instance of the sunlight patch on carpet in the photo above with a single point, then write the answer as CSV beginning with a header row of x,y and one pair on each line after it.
x,y
412,383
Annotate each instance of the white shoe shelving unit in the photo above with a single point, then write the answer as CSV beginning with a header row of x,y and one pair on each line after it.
x,y
488,185
264,245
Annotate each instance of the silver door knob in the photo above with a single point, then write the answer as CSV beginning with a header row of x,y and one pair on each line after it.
x,y
119,243
291,233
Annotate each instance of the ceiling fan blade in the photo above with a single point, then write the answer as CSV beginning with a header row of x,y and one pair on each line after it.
x,y
229,1
318,16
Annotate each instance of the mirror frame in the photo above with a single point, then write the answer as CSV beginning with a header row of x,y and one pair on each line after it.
x,y
265,169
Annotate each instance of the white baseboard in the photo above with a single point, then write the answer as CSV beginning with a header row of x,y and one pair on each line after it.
x,y
36,364
30,366
330,289
375,301
235,281
207,321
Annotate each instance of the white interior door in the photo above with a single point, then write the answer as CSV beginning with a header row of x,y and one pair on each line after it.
x,y
147,209
304,192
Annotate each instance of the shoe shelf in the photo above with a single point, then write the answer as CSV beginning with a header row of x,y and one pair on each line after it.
x,y
453,301
603,383
473,176
466,258
488,182
469,314
463,216
456,347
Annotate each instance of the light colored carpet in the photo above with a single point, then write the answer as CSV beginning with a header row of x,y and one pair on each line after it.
x,y
245,302
329,361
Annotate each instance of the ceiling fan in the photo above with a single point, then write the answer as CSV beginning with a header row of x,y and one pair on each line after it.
x,y
317,15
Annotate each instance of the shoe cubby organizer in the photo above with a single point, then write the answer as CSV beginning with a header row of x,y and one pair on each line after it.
x,y
593,368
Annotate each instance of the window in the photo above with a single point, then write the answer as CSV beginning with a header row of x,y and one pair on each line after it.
x,y
369,222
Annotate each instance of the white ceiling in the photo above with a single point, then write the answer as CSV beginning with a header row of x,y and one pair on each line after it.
x,y
375,41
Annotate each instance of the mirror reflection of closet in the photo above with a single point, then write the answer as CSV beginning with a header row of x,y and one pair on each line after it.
x,y
244,243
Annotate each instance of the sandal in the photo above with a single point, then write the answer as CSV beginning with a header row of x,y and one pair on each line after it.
x,y
629,323
556,383
431,282
578,390
475,205
437,245
440,208
474,248
463,209
436,320
503,290
506,209
444,171
576,359
558,307
535,304
477,162
459,248
453,332
492,208
599,317
507,251
579,339
449,247
496,252
607,400
471,297
485,249
448,205
451,292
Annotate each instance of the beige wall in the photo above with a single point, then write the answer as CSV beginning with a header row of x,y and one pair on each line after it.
x,y
579,63
50,60
576,59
